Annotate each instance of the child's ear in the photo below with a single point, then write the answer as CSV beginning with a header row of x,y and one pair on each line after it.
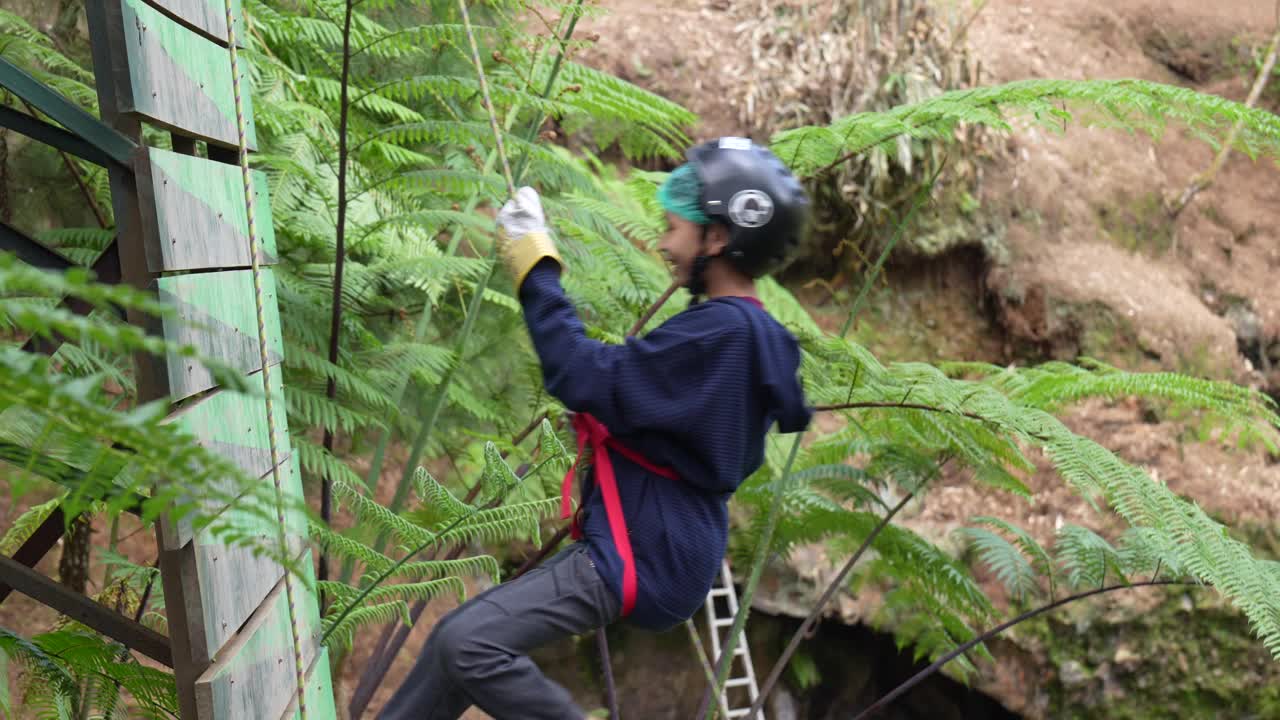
x,y
717,239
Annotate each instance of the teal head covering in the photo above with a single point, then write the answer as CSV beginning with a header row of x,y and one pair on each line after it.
x,y
682,194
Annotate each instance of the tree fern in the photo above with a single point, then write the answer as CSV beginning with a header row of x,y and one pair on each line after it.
x,y
1131,105
57,659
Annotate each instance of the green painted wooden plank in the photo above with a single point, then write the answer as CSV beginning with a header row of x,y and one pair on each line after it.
x,y
319,692
180,80
234,425
232,580
215,312
207,17
194,214
255,676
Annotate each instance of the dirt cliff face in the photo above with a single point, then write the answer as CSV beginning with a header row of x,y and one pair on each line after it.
x,y
1087,260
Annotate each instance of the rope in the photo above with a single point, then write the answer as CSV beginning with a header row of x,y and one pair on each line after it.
x,y
300,670
601,640
488,103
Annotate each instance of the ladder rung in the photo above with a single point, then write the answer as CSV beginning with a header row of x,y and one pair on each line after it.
x,y
740,712
724,622
738,682
740,650
721,592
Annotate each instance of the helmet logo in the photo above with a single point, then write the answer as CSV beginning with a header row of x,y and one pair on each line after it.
x,y
750,208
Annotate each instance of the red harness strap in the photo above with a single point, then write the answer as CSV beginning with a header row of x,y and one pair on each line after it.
x,y
591,430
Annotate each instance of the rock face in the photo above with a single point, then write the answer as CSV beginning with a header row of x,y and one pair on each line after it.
x,y
1154,652
838,673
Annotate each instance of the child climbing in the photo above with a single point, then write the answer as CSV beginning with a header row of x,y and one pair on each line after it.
x,y
674,422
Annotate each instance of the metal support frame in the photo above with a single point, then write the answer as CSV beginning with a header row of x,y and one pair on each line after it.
x,y
83,609
103,144
29,250
106,268
91,130
38,545
53,136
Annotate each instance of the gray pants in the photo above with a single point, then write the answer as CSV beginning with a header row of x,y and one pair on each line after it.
x,y
476,655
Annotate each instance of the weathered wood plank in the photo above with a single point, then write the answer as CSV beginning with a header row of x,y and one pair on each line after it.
x,y
233,580
180,80
207,17
195,216
318,693
110,64
254,675
234,425
215,312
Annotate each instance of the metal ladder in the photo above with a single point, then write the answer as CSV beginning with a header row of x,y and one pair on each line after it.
x,y
718,620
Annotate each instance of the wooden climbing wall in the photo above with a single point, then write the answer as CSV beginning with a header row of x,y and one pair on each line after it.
x,y
184,237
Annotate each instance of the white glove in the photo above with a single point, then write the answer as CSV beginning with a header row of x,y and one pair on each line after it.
x,y
523,214
523,240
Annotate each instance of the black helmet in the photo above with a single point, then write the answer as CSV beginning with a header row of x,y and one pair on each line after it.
x,y
747,188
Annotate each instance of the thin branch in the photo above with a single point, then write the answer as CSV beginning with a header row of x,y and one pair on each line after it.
x,y
611,691
707,671
923,194
832,588
896,405
1205,179
653,309
84,189
335,327
919,677
543,552
757,569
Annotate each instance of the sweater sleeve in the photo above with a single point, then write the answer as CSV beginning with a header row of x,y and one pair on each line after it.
x,y
657,382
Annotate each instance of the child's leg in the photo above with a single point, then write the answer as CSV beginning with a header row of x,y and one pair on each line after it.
x,y
477,653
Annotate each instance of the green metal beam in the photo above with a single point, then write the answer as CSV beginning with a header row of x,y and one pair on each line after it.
x,y
51,135
66,113
29,250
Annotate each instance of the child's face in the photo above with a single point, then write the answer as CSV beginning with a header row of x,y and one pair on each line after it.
x,y
684,241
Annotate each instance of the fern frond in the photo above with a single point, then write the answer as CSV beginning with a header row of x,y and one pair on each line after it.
x,y
372,513
1005,560
1133,105
26,524
483,565
340,636
350,549
439,506
1087,557
1039,558
313,409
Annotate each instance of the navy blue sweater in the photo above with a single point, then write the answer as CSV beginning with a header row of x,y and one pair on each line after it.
x,y
696,394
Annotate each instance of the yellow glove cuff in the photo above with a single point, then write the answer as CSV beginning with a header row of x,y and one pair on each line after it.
x,y
522,254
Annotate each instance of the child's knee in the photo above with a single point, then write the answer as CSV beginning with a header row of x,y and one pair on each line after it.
x,y
462,646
